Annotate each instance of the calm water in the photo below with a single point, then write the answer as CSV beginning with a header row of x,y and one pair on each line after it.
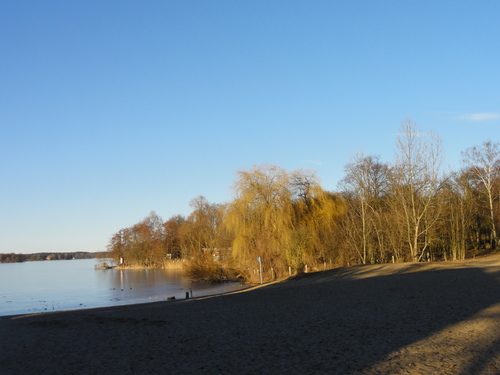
x,y
33,287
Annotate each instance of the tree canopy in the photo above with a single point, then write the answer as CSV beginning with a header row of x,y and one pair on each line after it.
x,y
409,210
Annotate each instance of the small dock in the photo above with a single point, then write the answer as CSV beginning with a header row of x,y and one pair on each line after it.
x,y
104,266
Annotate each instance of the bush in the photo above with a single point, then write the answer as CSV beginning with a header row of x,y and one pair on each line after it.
x,y
204,268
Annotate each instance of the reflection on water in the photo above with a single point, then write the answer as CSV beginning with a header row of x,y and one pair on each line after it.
x,y
33,287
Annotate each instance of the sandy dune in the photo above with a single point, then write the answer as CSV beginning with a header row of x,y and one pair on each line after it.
x,y
433,318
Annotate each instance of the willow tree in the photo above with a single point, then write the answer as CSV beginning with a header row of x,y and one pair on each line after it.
x,y
316,214
261,215
279,216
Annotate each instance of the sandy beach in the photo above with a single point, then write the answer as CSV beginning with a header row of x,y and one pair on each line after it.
x,y
426,318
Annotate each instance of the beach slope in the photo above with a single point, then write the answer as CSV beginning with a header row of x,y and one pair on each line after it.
x,y
440,318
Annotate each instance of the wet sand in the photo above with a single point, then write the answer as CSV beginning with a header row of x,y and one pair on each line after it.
x,y
439,318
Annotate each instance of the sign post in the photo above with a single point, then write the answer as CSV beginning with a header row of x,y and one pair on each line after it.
x,y
259,259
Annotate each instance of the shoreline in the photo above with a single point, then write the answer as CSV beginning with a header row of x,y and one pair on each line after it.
x,y
76,285
373,319
142,304
166,265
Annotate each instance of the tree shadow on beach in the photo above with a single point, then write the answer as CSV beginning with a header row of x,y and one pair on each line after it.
x,y
364,319
355,320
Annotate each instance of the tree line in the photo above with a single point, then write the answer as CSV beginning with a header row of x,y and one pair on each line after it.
x,y
19,258
410,210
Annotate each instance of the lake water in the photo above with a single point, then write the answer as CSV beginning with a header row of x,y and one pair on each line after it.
x,y
33,287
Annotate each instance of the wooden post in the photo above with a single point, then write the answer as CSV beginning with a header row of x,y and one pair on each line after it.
x,y
259,259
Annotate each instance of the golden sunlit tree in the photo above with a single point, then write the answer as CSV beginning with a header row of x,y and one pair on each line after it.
x,y
285,218
316,214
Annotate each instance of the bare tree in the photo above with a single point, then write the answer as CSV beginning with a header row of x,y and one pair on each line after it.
x,y
484,163
171,240
202,230
450,235
364,186
417,182
142,243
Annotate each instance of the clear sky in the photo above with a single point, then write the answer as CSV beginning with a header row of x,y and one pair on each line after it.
x,y
111,109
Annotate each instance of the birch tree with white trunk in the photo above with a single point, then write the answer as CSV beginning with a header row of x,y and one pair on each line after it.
x,y
417,182
484,163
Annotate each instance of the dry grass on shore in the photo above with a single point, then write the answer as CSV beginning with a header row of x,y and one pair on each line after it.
x,y
167,264
206,269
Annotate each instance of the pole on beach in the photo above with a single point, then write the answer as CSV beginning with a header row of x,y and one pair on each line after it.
x,y
259,259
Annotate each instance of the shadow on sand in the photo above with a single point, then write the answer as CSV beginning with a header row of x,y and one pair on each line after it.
x,y
344,321
369,316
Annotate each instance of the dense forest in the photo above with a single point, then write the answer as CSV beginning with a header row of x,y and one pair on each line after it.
x,y
18,258
410,210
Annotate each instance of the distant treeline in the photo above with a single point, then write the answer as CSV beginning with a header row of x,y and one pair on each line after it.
x,y
409,210
18,258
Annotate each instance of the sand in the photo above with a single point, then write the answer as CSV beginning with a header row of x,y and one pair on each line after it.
x,y
432,318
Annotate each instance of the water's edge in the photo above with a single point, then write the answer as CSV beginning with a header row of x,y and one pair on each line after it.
x,y
35,287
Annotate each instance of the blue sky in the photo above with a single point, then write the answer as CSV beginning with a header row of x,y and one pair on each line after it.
x,y
109,110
